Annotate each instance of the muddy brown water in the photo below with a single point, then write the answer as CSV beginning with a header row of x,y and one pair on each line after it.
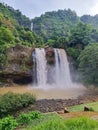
x,y
53,93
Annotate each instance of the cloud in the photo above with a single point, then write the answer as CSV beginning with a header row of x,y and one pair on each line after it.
x,y
94,9
32,8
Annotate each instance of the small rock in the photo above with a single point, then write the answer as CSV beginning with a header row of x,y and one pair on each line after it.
x,y
86,108
66,110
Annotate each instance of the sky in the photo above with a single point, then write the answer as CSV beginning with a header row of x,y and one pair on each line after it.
x,y
34,8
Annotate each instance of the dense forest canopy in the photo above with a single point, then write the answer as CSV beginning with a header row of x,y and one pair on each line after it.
x,y
59,29
55,23
93,20
60,22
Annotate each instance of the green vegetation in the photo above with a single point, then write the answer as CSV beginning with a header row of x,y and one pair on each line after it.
x,y
11,102
15,14
82,123
37,121
74,53
88,64
44,118
80,35
8,123
93,105
27,118
55,23
93,20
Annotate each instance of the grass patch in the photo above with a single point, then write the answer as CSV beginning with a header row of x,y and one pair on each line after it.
x,y
54,122
93,105
43,119
81,123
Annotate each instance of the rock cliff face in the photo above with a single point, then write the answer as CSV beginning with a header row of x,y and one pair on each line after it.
x,y
50,55
18,65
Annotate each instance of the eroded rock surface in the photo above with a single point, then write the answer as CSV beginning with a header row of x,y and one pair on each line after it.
x,y
18,65
50,55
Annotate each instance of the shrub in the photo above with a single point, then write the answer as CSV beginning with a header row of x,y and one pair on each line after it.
x,y
26,118
8,123
91,109
27,99
11,102
73,52
34,114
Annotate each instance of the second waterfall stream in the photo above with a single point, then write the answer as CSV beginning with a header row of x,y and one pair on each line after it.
x,y
56,75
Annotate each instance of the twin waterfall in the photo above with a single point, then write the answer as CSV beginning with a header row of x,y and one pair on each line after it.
x,y
55,75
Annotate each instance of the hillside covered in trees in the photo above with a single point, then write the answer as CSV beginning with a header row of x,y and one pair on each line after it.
x,y
59,23
93,20
15,14
55,23
59,29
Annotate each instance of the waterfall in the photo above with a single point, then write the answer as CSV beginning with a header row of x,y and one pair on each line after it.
x,y
56,75
62,71
57,67
32,26
40,68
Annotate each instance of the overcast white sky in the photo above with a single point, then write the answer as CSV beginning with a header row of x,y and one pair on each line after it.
x,y
34,8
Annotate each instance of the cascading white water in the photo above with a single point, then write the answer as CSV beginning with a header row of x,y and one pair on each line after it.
x,y
57,67
41,67
62,71
57,75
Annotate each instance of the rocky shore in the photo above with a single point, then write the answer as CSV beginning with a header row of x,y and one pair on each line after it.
x,y
50,105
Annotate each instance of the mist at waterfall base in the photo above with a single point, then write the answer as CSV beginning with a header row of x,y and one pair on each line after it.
x,y
52,76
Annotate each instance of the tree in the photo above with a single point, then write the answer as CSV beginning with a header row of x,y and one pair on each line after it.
x,y
6,40
51,43
6,35
88,64
80,35
94,34
62,42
